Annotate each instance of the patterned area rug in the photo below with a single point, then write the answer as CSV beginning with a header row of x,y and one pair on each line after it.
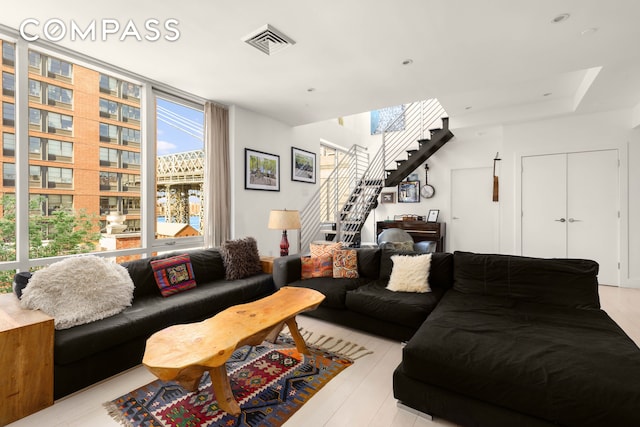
x,y
269,381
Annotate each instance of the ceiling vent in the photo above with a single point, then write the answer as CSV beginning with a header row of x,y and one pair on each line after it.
x,y
268,40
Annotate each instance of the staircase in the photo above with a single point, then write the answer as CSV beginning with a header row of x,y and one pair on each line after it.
x,y
400,154
415,158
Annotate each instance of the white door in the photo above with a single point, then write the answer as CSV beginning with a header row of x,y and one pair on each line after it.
x,y
544,209
592,210
474,216
570,206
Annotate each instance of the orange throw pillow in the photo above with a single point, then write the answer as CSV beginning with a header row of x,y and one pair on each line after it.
x,y
345,264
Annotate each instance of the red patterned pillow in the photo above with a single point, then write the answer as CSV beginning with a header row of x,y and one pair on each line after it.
x,y
322,266
173,274
307,268
345,264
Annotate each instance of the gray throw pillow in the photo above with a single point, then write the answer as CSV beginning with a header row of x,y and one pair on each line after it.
x,y
240,258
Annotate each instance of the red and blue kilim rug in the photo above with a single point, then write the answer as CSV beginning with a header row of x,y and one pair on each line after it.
x,y
269,381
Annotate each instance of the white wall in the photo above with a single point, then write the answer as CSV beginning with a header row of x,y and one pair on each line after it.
x,y
633,208
250,208
477,146
471,147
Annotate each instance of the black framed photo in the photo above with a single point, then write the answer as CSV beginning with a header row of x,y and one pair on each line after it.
x,y
409,192
433,215
261,170
388,197
303,165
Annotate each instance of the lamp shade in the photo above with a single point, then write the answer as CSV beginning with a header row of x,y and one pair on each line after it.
x,y
284,220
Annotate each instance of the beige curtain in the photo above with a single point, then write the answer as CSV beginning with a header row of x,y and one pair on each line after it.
x,y
217,176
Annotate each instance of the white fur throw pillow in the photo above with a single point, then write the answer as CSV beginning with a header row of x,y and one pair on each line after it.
x,y
79,290
410,273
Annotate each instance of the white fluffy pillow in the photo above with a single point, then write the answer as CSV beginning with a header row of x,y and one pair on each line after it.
x,y
79,290
410,273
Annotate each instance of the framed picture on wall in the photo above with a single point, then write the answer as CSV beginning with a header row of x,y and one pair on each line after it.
x,y
409,192
261,170
303,165
388,197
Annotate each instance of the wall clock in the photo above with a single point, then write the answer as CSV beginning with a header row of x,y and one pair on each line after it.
x,y
427,191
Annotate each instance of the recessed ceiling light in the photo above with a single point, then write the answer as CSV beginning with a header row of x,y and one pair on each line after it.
x,y
589,31
560,18
407,62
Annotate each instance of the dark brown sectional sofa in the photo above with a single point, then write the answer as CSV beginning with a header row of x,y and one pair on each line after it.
x,y
502,340
365,303
94,351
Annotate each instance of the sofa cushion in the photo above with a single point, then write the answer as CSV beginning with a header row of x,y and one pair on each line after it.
x,y
369,262
173,274
569,366
410,273
320,249
207,267
565,282
345,264
440,270
79,290
151,313
408,309
240,258
306,267
334,290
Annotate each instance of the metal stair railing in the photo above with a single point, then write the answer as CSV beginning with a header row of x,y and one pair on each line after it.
x,y
351,190
419,118
316,216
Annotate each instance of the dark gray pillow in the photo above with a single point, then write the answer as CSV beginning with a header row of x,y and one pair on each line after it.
x,y
240,258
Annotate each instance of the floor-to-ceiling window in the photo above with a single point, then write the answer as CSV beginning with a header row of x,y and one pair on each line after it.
x,y
180,168
333,176
73,177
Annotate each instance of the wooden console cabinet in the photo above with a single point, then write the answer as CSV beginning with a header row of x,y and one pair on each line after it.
x,y
419,230
26,360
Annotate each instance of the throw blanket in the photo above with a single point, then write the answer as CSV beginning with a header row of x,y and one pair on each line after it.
x,y
79,290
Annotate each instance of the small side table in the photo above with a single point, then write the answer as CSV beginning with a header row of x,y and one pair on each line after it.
x,y
267,264
26,360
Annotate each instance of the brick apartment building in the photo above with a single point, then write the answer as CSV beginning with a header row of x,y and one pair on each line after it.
x,y
84,137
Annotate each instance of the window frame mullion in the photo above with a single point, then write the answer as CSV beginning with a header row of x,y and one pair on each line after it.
x,y
21,97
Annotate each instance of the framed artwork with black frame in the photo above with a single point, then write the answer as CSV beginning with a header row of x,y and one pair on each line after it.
x,y
433,215
261,170
388,197
409,192
303,165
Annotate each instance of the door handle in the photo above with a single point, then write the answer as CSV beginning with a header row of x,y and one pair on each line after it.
x,y
561,220
574,220
455,217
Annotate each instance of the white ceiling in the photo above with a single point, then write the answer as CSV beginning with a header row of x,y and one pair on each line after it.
x,y
498,57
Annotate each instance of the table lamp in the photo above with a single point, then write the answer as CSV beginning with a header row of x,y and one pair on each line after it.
x,y
284,220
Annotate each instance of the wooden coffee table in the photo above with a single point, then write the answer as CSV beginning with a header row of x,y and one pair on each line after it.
x,y
183,353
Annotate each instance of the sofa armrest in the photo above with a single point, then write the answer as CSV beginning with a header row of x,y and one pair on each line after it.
x,y
286,270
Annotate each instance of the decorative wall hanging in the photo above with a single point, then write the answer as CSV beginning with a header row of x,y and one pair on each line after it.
x,y
427,191
303,165
496,185
261,170
388,198
409,192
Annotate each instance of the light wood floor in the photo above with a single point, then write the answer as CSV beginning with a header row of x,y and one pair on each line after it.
x,y
359,396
